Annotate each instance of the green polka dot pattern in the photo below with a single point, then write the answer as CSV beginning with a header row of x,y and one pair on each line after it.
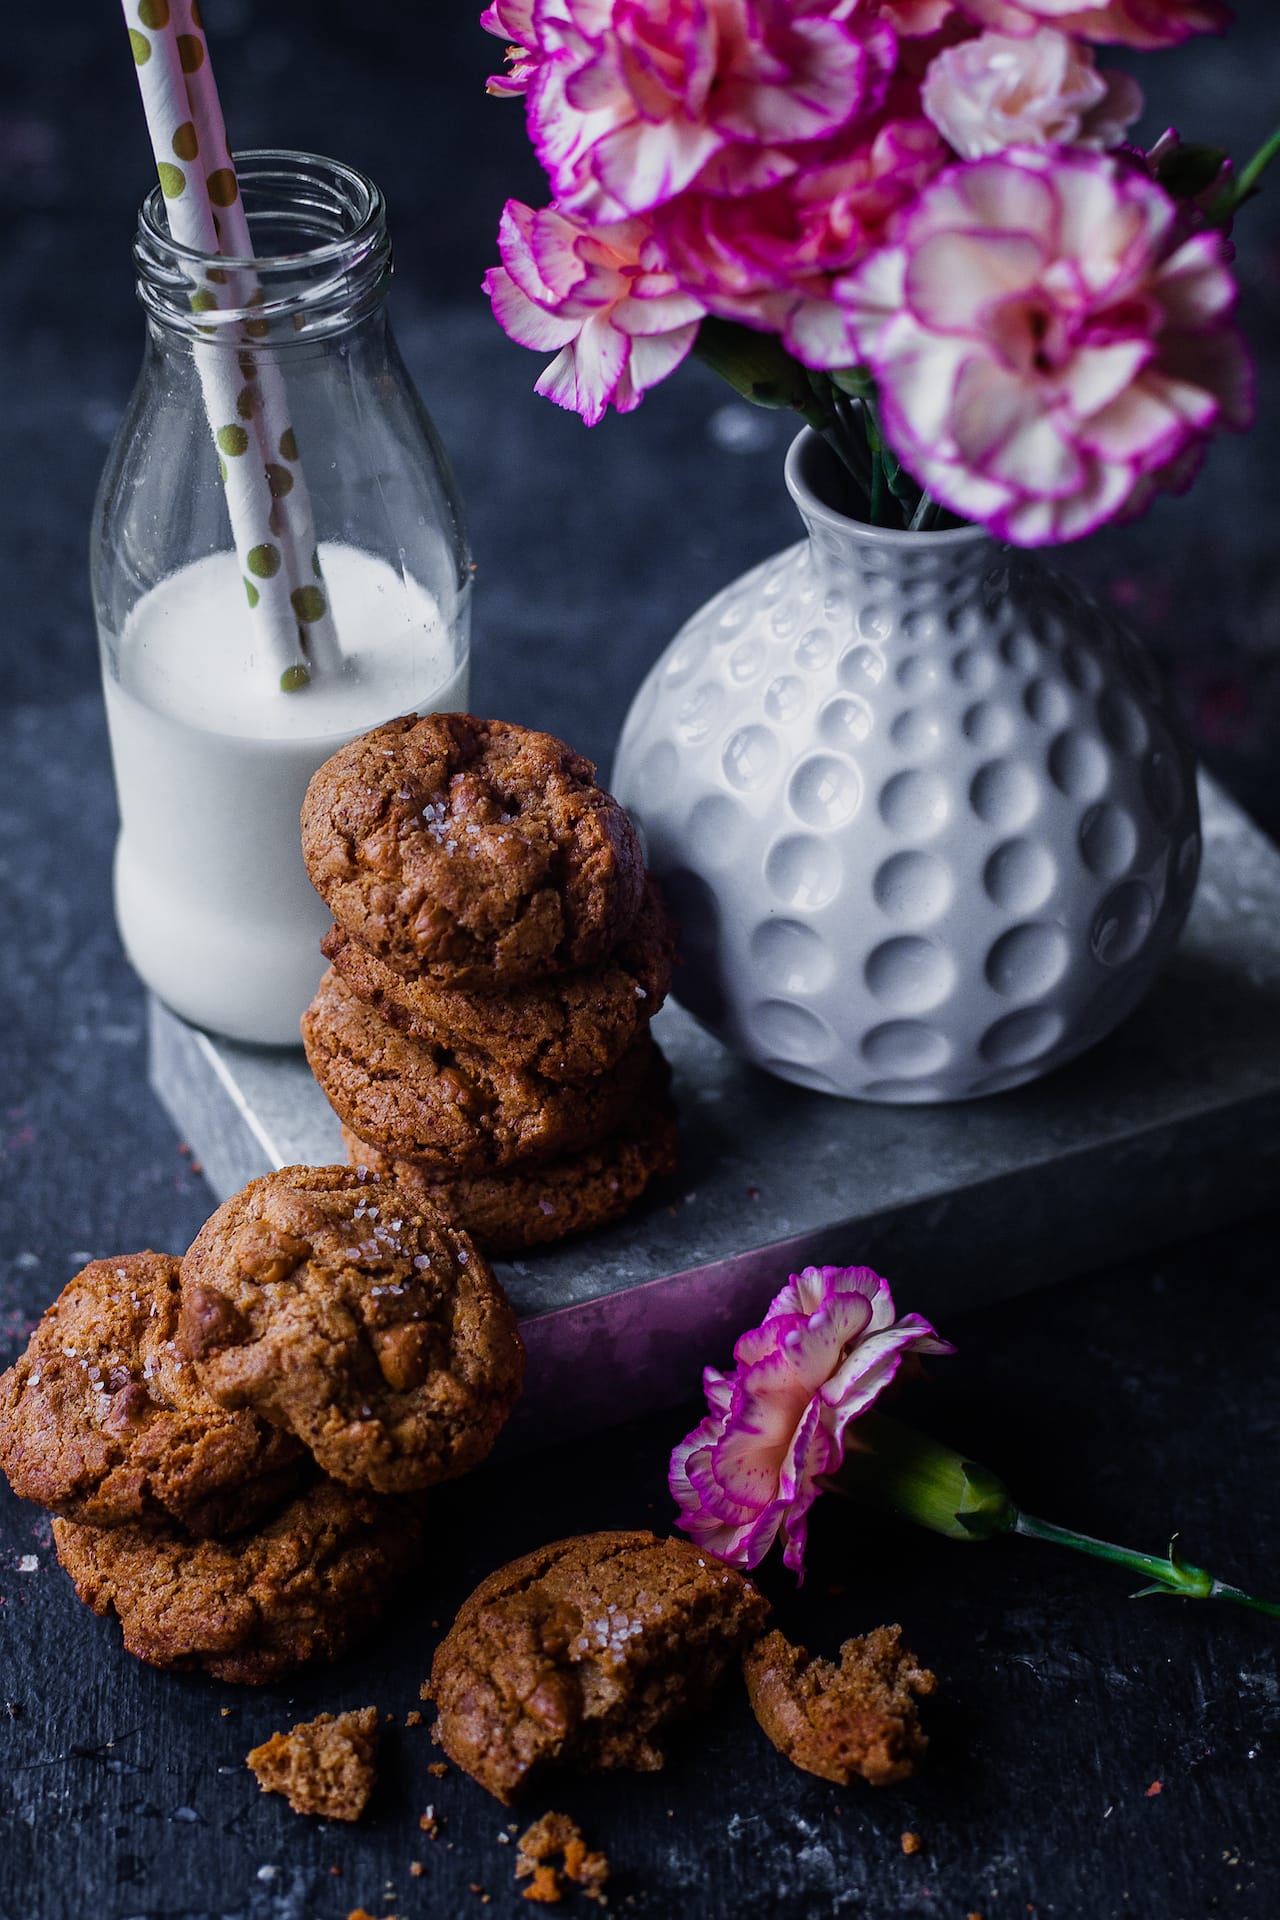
x,y
288,444
293,679
223,187
308,603
173,181
190,52
251,593
232,440
154,14
264,560
280,481
141,47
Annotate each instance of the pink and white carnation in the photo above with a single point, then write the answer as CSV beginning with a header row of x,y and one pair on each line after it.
x,y
1040,89
1048,345
769,259
512,21
630,100
910,19
601,298
827,1349
1129,23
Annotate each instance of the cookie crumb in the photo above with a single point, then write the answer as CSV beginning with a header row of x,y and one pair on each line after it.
x,y
1157,1786
840,1722
438,1769
323,1766
555,1834
429,1823
417,1869
911,1843
413,1719
225,1712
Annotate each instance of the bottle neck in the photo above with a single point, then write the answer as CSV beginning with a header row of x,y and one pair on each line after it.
x,y
321,258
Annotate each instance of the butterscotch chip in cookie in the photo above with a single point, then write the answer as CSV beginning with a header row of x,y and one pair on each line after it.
x,y
473,849
354,1316
325,1766
538,1205
571,1027
856,1719
103,1420
583,1653
303,1587
457,1111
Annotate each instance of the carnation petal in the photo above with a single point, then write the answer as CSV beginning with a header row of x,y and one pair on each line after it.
x,y
526,322
952,278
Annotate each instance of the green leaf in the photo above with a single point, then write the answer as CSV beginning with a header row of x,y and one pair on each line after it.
x,y
1186,171
857,382
757,366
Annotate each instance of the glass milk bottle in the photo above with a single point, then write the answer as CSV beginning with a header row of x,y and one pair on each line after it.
x,y
212,742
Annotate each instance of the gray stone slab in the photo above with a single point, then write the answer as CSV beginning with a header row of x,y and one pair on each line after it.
x,y
1169,1128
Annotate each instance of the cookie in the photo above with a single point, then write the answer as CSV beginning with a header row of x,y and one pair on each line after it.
x,y
855,1720
457,1112
356,1318
572,1027
326,1766
555,1838
583,1653
303,1587
103,1420
536,1206
473,849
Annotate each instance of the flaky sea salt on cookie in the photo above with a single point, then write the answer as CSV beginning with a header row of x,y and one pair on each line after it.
x,y
584,1653
356,1317
481,852
103,1420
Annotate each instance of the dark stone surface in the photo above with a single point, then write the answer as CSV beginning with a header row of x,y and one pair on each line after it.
x,y
1127,1402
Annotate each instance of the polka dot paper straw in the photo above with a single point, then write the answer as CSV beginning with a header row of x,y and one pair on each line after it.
x,y
264,393
161,56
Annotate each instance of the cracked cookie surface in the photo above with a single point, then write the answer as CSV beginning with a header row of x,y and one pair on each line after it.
x,y
481,852
460,1112
536,1206
301,1588
103,1420
583,1653
571,1027
857,1719
358,1319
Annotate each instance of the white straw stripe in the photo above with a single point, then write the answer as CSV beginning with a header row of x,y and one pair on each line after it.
x,y
162,84
272,421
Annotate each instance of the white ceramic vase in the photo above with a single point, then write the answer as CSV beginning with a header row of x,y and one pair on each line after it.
x,y
922,809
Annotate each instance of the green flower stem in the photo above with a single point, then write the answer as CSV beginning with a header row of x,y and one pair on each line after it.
x,y
1246,181
1171,1574
893,1467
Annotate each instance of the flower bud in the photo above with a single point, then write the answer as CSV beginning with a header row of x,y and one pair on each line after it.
x,y
891,1466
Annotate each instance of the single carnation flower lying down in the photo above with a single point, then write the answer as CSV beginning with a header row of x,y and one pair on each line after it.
x,y
828,1347
1049,345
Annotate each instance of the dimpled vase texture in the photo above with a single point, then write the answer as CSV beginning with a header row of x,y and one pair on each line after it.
x,y
920,807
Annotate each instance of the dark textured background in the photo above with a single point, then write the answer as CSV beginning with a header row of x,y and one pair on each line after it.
x,y
1126,1402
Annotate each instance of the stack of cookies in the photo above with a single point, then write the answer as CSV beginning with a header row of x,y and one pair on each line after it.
x,y
234,1442
498,954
